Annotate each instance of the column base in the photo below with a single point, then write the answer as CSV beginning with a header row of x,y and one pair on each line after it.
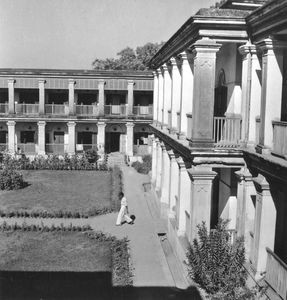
x,y
261,149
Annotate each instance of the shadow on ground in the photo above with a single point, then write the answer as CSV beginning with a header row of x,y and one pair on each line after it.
x,y
79,285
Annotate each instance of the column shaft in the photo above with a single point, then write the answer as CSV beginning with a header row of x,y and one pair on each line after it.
x,y
130,139
160,96
101,87
42,97
130,97
72,137
154,161
101,137
167,93
176,93
41,137
155,97
11,100
11,137
71,97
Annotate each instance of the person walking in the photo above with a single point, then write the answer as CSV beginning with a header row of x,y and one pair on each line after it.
x,y
124,211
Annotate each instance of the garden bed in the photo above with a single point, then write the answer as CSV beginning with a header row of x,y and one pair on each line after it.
x,y
59,194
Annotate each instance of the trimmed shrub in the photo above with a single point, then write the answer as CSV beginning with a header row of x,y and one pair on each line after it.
x,y
145,166
11,180
216,264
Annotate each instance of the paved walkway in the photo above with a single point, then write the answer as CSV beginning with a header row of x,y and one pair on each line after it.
x,y
150,266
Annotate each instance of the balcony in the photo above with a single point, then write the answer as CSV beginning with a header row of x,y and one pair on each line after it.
x,y
56,148
28,148
3,108
143,112
280,139
227,131
276,274
116,111
57,109
87,110
26,109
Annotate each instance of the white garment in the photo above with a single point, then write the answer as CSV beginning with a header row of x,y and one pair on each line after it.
x,y
123,212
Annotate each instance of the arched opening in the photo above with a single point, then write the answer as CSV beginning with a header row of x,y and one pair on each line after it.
x,y
220,95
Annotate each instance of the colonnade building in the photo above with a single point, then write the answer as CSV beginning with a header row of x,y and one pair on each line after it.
x,y
70,111
220,131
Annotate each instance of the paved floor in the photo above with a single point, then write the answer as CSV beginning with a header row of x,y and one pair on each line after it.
x,y
150,266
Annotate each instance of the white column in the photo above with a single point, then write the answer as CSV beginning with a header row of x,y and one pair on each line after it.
x,y
101,87
265,226
174,185
271,93
42,96
158,168
155,97
176,92
165,181
160,96
130,97
154,160
167,93
101,137
186,91
72,96
11,137
130,139
184,189
11,99
72,136
41,137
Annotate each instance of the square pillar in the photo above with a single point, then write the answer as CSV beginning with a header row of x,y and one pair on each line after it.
x,y
160,96
201,197
72,96
155,97
264,227
184,190
11,100
11,137
271,92
72,137
186,91
101,137
42,96
101,87
173,185
176,91
204,52
130,139
130,97
154,160
165,179
41,137
158,168
166,93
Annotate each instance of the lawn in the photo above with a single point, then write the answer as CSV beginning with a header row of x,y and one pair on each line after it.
x,y
52,191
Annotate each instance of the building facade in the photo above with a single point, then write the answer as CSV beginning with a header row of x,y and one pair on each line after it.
x,y
220,131
69,111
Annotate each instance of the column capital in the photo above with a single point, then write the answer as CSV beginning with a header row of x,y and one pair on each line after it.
x,y
11,81
261,184
205,45
102,124
72,82
71,124
11,123
201,173
171,154
101,82
42,123
184,56
159,72
181,164
174,61
130,125
162,146
42,81
244,175
165,68
131,82
269,45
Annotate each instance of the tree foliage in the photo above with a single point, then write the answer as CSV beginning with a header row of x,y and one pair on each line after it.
x,y
216,264
129,59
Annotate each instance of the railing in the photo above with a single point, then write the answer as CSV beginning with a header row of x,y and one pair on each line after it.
x,y
57,109
26,109
227,131
116,110
276,274
87,110
3,147
169,119
29,148
257,130
280,138
189,126
85,147
141,149
3,108
56,148
143,111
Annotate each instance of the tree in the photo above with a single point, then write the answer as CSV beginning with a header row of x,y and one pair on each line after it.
x,y
129,59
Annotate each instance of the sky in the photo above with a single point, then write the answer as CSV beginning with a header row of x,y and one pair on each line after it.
x,y
70,34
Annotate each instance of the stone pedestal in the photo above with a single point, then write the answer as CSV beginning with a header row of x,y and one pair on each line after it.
x,y
271,92
11,137
11,100
101,87
41,137
42,96
265,225
201,197
130,97
101,137
186,91
130,139
155,97
204,52
176,92
71,97
72,137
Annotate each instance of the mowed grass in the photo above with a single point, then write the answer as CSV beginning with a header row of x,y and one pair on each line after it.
x,y
60,190
53,251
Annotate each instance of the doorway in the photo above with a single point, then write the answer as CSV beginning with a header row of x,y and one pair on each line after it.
x,y
112,143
